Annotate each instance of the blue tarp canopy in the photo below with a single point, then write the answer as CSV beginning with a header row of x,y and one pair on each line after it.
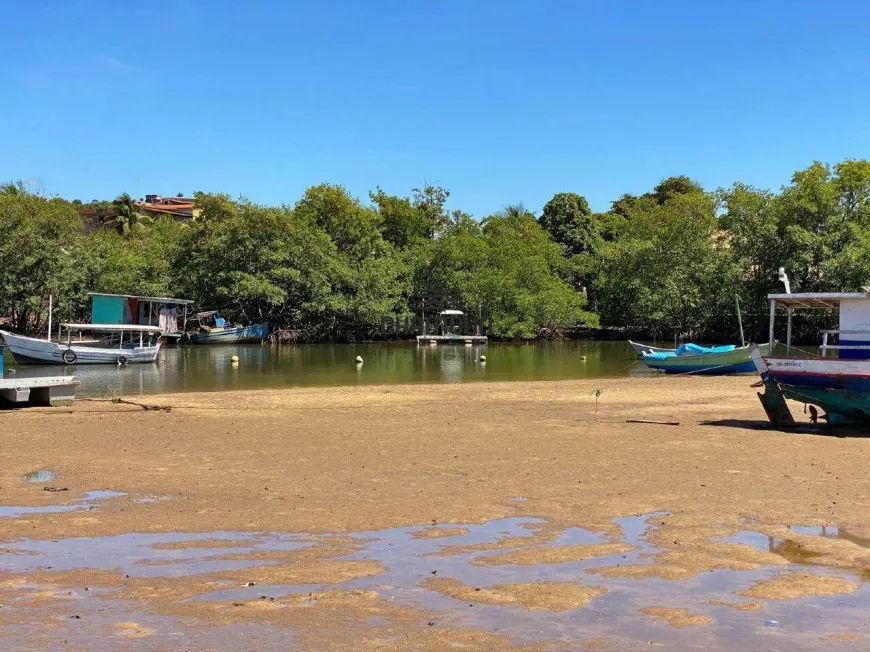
x,y
689,349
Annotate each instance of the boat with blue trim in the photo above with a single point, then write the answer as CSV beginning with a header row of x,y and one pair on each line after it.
x,y
838,385
711,361
214,329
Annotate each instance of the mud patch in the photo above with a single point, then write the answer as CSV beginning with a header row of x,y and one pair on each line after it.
x,y
440,532
550,596
792,586
676,618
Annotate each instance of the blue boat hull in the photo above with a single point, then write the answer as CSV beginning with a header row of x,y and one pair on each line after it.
x,y
842,406
823,382
240,335
705,369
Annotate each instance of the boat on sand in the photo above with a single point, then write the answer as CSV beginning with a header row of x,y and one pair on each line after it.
x,y
837,380
695,359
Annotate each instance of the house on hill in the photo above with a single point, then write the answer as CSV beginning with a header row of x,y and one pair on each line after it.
x,y
179,208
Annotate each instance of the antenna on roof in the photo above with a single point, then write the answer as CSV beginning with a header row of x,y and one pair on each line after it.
x,y
784,278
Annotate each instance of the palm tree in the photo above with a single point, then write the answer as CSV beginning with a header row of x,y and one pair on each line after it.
x,y
127,219
13,188
515,211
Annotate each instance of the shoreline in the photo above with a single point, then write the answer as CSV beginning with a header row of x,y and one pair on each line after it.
x,y
442,464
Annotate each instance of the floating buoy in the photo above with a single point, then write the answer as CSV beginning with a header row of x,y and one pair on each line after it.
x,y
582,358
235,359
483,358
359,359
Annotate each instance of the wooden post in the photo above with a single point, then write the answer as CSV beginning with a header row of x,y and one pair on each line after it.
x,y
739,321
423,311
50,309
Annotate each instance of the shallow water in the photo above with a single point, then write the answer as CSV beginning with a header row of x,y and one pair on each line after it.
x,y
411,560
90,501
207,368
42,475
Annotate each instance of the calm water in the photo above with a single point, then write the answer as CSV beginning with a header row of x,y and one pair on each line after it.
x,y
207,368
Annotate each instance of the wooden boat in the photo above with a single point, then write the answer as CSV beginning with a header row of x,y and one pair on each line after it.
x,y
694,359
838,385
640,349
116,344
213,329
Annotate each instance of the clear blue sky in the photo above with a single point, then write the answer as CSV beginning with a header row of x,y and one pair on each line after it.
x,y
500,101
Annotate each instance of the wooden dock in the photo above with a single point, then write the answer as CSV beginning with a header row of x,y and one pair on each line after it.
x,y
44,391
451,339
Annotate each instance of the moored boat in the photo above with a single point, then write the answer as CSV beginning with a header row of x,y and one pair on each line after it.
x,y
214,329
838,385
694,359
109,344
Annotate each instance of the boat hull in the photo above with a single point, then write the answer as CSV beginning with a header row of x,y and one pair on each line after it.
x,y
842,406
240,335
840,387
852,375
29,350
736,361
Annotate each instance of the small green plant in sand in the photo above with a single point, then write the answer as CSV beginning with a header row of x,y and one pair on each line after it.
x,y
596,392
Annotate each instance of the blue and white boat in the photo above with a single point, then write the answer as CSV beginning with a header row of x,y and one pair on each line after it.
x,y
214,329
838,380
695,359
105,344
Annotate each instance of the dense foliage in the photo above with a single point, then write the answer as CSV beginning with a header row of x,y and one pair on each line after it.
x,y
668,263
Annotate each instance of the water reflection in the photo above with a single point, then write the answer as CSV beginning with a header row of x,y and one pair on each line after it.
x,y
204,368
42,475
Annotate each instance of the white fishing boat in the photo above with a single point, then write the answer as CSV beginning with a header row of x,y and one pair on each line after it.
x,y
105,344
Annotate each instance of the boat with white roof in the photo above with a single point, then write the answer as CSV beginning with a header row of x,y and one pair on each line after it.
x,y
838,379
105,344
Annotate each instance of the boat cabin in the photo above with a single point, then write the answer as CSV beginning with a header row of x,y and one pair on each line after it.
x,y
210,320
853,334
163,312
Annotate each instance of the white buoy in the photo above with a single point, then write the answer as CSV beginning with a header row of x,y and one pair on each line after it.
x,y
235,359
483,358
582,358
359,359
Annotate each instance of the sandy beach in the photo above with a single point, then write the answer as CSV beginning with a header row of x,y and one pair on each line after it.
x,y
477,517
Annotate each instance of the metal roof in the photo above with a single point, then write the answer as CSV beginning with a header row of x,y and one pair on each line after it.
x,y
182,302
829,300
113,327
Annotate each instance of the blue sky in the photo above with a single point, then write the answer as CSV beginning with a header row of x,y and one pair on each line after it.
x,y
499,101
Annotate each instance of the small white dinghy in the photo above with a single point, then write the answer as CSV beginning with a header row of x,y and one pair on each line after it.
x,y
108,344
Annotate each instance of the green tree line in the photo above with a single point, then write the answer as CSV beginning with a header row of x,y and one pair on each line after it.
x,y
666,264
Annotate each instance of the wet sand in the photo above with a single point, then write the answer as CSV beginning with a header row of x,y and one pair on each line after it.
x,y
326,465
